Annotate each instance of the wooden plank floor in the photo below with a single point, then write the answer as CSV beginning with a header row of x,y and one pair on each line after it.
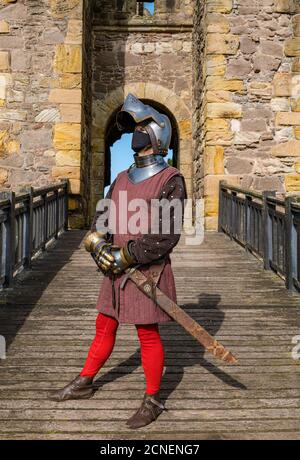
x,y
48,321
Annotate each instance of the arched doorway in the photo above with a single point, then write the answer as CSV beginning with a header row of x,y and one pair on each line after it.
x,y
118,153
105,133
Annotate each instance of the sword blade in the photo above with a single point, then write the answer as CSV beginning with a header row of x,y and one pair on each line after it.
x,y
181,317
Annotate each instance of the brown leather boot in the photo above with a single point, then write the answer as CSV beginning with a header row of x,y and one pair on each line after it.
x,y
79,388
150,409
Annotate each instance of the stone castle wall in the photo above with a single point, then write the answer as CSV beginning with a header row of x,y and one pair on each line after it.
x,y
49,68
228,71
248,128
40,85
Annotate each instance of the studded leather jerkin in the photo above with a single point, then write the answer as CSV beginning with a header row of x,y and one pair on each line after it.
x,y
133,306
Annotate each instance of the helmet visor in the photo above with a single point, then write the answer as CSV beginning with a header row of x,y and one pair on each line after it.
x,y
125,121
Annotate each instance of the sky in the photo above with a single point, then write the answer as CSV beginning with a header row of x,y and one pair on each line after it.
x,y
121,153
122,156
149,6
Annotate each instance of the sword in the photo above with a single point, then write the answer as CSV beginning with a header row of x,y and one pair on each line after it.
x,y
145,285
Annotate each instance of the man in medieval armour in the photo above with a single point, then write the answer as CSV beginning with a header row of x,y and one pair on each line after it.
x,y
120,301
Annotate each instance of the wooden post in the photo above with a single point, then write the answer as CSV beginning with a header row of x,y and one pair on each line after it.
x,y
297,256
292,240
267,229
233,230
56,213
45,226
5,238
288,244
66,205
10,241
221,206
247,221
29,231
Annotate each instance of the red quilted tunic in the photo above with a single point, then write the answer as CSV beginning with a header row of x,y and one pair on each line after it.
x,y
134,306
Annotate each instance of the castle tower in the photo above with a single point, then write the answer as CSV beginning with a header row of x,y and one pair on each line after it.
x,y
149,55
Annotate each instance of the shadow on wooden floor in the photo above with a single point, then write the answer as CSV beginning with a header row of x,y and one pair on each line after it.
x,y
205,302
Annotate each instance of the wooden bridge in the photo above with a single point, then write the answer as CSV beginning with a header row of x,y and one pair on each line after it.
x,y
48,315
48,321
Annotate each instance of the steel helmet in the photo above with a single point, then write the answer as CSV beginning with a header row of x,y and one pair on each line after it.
x,y
159,126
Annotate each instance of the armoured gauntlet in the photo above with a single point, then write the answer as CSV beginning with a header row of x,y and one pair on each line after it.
x,y
108,257
122,259
96,243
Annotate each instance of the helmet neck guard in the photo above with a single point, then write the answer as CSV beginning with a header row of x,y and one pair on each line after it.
x,y
144,160
146,167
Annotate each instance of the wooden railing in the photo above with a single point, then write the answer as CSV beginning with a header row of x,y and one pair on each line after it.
x,y
28,221
266,226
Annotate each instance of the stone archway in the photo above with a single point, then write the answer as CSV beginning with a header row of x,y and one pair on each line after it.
x,y
102,113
